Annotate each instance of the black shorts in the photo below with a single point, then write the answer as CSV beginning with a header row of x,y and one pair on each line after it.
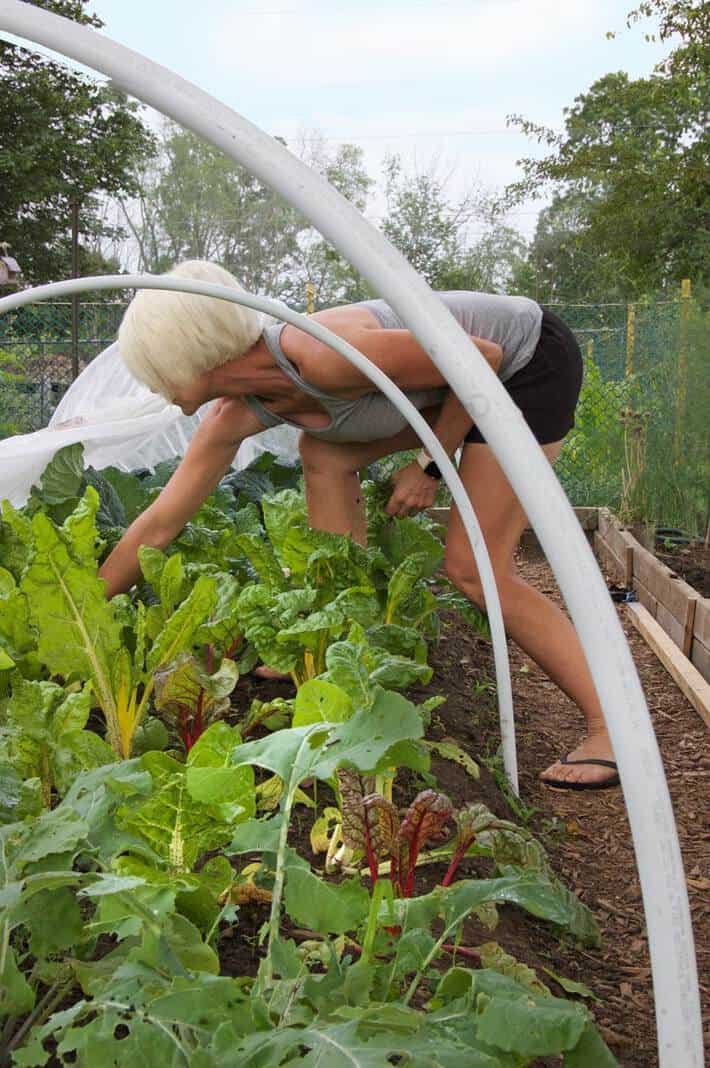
x,y
547,388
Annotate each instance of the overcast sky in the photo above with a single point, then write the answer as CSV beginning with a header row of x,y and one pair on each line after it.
x,y
420,77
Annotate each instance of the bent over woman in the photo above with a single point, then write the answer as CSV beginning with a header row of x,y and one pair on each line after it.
x,y
193,349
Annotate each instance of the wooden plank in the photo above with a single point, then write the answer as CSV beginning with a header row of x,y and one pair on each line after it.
x,y
671,592
674,629
684,674
616,567
588,518
645,597
621,548
605,520
701,623
700,657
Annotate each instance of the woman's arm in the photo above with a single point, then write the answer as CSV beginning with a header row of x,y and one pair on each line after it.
x,y
396,352
208,457
414,491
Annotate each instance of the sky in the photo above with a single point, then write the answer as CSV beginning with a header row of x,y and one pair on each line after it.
x,y
423,78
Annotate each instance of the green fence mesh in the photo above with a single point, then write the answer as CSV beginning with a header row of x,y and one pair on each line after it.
x,y
641,444
38,360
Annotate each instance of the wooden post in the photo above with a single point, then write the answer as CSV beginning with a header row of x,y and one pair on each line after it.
x,y
74,205
590,349
630,338
682,369
310,298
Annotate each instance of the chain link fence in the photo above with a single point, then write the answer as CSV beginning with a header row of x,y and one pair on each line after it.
x,y
641,444
39,359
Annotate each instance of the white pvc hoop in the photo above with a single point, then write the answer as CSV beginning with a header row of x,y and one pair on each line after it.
x,y
398,398
676,992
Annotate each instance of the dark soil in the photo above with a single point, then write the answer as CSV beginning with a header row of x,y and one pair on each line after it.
x,y
586,835
691,562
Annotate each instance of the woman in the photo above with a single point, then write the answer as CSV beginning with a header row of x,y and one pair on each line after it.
x,y
193,349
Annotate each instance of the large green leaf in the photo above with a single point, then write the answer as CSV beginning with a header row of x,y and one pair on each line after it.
x,y
62,477
402,582
321,702
178,827
279,751
328,908
45,736
265,613
263,559
213,780
16,540
78,630
365,739
348,670
180,629
532,891
513,1018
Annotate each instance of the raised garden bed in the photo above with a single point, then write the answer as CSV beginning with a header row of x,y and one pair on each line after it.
x,y
206,871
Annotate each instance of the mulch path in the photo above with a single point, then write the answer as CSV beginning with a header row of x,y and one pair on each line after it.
x,y
586,835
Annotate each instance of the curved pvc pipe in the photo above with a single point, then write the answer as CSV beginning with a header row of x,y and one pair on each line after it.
x,y
658,856
400,401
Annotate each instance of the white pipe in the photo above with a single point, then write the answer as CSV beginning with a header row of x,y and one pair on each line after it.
x,y
650,812
310,326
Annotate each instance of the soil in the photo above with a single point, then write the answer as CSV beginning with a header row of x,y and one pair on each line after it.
x,y
691,562
586,835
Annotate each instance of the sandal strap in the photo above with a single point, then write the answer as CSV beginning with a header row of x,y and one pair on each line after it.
x,y
600,763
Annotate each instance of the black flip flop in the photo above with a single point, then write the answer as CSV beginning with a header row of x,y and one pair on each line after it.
x,y
605,784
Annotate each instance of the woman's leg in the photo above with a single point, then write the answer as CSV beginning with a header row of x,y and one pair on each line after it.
x,y
331,474
333,495
533,621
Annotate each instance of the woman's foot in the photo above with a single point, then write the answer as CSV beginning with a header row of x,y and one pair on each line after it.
x,y
596,746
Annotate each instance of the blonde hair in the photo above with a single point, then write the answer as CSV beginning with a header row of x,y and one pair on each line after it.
x,y
167,339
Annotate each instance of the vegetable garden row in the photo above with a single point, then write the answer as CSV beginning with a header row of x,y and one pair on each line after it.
x,y
143,806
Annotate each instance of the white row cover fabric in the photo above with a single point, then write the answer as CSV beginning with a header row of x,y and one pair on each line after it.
x,y
120,424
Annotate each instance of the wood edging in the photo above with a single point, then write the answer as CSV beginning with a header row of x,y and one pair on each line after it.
x,y
678,610
684,674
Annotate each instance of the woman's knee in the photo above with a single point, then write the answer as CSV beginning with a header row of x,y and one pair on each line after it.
x,y
463,574
322,457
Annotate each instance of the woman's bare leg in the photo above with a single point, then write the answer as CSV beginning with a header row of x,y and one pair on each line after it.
x,y
331,474
333,493
531,619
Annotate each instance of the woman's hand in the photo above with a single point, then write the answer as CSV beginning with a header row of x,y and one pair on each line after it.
x,y
413,491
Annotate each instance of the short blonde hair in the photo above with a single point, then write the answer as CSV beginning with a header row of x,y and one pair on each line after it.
x,y
167,339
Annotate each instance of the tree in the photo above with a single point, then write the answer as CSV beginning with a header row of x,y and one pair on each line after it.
x,y
563,263
196,203
434,233
315,261
62,135
632,162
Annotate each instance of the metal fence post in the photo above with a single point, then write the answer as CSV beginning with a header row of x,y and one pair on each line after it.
x,y
74,205
630,338
682,369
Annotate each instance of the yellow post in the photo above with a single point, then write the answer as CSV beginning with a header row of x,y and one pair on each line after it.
x,y
682,369
630,338
310,298
590,348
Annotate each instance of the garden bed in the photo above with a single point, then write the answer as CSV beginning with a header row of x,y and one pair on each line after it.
x,y
233,868
587,836
691,562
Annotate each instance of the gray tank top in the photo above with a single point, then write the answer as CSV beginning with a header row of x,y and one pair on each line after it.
x,y
512,322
